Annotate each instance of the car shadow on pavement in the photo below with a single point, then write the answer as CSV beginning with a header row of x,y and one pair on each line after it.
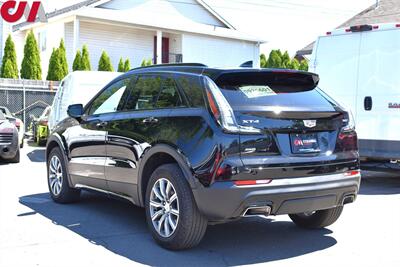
x,y
120,227
37,155
378,183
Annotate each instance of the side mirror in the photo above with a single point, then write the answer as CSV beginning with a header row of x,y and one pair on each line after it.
x,y
75,111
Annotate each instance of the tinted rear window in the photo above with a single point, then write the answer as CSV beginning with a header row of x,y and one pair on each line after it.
x,y
263,90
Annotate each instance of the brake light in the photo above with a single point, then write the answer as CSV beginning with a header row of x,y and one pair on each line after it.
x,y
347,141
17,123
252,182
397,25
328,33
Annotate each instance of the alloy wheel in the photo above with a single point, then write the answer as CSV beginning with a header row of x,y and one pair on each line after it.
x,y
164,207
55,175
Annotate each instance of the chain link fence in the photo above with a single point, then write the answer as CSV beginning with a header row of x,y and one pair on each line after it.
x,y
27,98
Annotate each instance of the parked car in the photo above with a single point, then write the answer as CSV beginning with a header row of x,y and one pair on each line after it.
x,y
17,122
40,129
359,67
77,87
195,145
9,144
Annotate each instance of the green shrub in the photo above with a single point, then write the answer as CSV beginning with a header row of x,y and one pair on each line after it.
x,y
105,62
127,65
146,62
85,63
30,67
62,57
121,67
77,65
303,65
9,68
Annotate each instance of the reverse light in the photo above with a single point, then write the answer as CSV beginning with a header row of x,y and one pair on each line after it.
x,y
252,182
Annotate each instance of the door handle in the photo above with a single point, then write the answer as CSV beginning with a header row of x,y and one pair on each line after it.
x,y
101,124
368,103
150,120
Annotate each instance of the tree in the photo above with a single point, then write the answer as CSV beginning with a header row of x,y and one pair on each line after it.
x,y
303,65
294,64
105,62
121,67
30,68
62,57
146,63
85,63
286,61
77,65
9,68
127,65
274,59
263,61
8,71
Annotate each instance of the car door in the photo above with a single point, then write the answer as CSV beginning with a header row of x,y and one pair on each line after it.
x,y
87,140
141,123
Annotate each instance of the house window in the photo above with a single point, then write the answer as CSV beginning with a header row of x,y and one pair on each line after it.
x,y
42,36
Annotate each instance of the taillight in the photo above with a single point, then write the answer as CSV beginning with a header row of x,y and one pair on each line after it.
x,y
17,123
222,111
347,141
352,173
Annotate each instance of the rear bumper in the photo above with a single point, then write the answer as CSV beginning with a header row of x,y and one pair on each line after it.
x,y
225,201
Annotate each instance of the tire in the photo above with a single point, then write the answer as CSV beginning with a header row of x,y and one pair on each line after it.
x,y
57,181
190,224
319,219
17,157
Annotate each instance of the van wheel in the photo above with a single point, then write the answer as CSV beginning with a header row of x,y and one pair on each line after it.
x,y
17,157
171,212
57,179
317,219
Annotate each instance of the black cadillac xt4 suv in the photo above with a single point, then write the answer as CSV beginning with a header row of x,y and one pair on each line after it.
x,y
195,146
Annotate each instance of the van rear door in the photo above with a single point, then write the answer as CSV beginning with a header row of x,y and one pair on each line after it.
x,y
378,101
335,59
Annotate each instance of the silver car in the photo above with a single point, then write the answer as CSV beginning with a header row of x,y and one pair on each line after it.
x,y
9,144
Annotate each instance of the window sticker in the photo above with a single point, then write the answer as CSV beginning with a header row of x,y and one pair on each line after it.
x,y
253,91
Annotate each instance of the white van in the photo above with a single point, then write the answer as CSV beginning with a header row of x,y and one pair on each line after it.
x,y
360,68
78,87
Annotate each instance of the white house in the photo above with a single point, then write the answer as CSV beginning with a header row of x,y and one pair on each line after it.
x,y
163,30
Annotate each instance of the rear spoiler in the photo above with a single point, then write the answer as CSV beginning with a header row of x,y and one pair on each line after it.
x,y
300,79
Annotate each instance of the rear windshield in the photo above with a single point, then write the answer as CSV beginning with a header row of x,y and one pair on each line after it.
x,y
263,90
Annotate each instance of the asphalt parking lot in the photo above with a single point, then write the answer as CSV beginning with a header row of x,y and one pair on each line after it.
x,y
98,231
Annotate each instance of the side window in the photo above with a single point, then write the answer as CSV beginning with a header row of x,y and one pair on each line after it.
x,y
191,86
169,96
110,99
144,94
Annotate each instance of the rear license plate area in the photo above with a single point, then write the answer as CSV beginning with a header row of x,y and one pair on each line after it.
x,y
304,143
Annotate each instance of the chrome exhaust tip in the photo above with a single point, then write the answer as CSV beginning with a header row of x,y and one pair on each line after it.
x,y
348,199
264,211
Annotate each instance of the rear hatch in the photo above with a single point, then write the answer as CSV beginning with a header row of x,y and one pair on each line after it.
x,y
295,118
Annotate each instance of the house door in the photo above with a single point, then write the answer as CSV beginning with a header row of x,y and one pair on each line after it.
x,y
165,50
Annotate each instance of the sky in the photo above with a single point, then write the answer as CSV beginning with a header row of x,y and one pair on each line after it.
x,y
284,24
288,24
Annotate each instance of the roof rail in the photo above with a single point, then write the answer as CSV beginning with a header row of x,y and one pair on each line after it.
x,y
172,65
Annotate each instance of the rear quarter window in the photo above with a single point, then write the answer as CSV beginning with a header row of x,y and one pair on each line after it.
x,y
193,90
